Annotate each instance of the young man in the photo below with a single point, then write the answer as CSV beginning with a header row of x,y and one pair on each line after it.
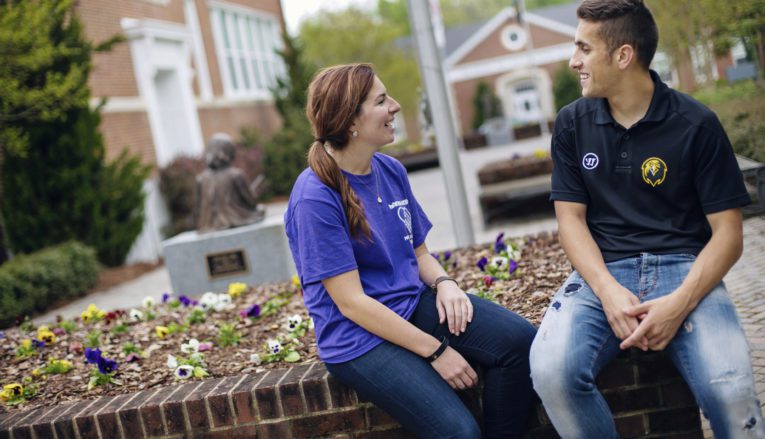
x,y
647,194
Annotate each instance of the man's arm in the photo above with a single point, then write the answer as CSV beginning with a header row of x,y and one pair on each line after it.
x,y
585,256
664,316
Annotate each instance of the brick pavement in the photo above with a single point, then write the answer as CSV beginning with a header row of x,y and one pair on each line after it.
x,y
746,286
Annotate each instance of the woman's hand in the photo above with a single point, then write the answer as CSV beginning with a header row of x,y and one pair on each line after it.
x,y
453,306
455,370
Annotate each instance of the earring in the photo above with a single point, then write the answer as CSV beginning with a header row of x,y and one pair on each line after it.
x,y
355,133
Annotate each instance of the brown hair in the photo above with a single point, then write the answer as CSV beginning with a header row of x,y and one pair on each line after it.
x,y
623,22
334,100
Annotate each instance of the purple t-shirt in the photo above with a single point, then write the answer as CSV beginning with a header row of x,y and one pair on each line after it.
x,y
322,247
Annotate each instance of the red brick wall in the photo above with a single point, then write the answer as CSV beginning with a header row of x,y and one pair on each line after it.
x,y
647,395
131,131
262,117
492,46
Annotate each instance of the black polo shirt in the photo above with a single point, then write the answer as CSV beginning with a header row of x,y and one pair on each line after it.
x,y
647,188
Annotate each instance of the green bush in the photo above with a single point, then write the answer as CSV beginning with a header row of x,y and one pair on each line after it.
x,y
486,105
33,282
566,88
740,108
284,155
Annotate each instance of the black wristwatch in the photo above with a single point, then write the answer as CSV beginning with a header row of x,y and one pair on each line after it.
x,y
441,348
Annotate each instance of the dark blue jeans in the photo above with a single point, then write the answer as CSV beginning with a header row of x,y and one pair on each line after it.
x,y
406,386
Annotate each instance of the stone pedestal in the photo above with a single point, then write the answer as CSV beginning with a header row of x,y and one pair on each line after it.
x,y
254,254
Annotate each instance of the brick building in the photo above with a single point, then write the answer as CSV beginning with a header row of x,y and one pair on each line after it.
x,y
188,69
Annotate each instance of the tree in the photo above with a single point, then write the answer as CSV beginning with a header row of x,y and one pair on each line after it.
x,y
354,35
284,155
566,88
486,104
56,184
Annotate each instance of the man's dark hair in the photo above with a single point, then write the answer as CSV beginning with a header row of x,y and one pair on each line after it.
x,y
623,22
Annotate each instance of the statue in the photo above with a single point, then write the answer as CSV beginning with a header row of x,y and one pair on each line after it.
x,y
224,199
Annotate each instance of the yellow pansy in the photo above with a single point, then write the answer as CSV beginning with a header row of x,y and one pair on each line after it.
x,y
162,331
235,289
46,336
295,280
11,391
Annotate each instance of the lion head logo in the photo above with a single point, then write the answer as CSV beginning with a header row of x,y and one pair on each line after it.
x,y
654,171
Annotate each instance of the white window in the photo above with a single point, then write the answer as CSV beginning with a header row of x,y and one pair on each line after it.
x,y
246,42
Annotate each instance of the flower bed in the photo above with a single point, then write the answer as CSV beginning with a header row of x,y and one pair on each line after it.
x,y
245,330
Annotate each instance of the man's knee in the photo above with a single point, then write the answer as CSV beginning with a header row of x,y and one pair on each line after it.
x,y
554,371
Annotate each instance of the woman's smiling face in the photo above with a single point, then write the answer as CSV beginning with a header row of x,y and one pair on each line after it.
x,y
375,121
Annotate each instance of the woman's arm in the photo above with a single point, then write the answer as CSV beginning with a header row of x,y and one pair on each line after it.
x,y
347,293
453,304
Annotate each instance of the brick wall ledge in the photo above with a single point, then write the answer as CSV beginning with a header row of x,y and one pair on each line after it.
x,y
647,395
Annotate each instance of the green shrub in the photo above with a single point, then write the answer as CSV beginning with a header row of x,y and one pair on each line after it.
x,y
566,88
486,104
33,282
740,108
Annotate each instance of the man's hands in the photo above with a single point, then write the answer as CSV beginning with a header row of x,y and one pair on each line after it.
x,y
454,307
455,370
615,300
659,320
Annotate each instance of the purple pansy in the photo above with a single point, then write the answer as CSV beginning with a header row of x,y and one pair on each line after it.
x,y
513,266
92,356
165,297
185,301
447,255
488,281
132,357
106,365
253,311
39,344
482,263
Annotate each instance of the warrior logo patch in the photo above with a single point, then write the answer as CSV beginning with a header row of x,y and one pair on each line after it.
x,y
590,161
654,171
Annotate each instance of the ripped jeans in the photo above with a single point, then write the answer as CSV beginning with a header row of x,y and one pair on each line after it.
x,y
710,350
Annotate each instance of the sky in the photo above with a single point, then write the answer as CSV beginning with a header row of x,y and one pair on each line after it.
x,y
296,10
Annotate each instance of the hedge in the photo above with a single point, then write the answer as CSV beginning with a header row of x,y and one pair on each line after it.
x,y
34,282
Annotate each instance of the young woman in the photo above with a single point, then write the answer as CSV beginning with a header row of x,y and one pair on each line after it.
x,y
389,322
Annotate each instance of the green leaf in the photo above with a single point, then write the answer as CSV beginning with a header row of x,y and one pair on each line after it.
x,y
292,357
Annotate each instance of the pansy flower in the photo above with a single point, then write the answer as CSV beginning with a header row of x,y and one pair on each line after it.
x,y
136,315
148,302
11,391
190,347
92,355
172,362
165,297
294,321
274,346
208,300
204,347
481,264
513,266
488,281
184,372
499,263
2,335
106,365
39,344
161,331
46,335
253,311
185,301
223,302
132,358
255,358
235,289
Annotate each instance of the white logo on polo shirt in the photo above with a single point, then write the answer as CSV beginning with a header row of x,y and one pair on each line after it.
x,y
590,161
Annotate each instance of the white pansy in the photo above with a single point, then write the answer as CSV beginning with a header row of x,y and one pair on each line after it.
x,y
184,372
500,263
148,302
310,323
190,347
223,302
294,321
274,346
208,300
255,358
172,362
136,315
514,254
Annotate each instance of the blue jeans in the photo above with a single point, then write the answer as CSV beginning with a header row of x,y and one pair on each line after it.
x,y
407,387
709,350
